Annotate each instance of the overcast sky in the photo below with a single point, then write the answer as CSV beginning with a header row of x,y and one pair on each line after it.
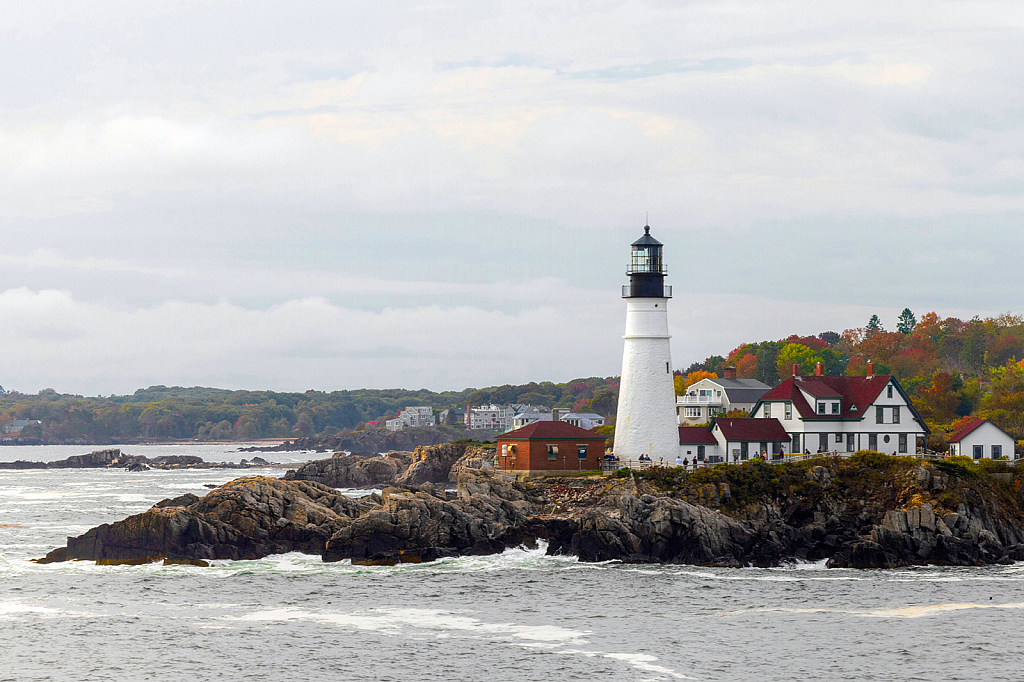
x,y
335,195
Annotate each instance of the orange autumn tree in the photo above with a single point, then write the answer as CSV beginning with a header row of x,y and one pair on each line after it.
x,y
682,383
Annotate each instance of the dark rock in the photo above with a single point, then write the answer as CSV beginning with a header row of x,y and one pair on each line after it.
x,y
186,500
21,464
246,518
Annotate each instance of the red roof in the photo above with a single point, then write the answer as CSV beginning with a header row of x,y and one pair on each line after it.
x,y
967,428
750,429
550,431
696,435
856,394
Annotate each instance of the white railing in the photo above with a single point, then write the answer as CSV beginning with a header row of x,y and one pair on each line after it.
x,y
699,400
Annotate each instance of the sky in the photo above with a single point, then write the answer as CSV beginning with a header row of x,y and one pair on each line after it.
x,y
281,195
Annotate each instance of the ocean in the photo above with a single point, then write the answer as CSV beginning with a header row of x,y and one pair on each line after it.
x,y
519,615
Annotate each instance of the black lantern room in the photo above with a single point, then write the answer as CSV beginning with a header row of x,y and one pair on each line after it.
x,y
646,270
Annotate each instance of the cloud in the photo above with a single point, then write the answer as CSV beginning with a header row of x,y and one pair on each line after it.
x,y
54,340
394,194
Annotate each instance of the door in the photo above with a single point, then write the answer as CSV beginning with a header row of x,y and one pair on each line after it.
x,y
744,450
873,441
849,443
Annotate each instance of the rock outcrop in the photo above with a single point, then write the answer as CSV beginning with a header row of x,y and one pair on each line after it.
x,y
114,458
868,512
253,517
485,518
431,464
247,518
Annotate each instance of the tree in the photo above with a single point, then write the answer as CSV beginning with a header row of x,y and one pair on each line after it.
x,y
681,384
874,325
746,367
906,322
797,354
831,338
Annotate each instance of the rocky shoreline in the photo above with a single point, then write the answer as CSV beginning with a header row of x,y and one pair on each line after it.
x,y
114,458
870,511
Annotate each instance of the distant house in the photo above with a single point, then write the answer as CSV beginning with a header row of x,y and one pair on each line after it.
x,y
411,417
732,439
527,418
709,398
492,417
844,413
18,424
549,446
452,416
584,420
981,439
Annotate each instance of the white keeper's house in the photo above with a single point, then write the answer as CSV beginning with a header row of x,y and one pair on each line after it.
x,y
981,439
844,413
709,398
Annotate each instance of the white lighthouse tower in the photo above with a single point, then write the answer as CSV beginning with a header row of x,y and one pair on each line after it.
x,y
646,421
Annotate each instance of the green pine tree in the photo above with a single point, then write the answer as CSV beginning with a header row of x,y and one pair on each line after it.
x,y
874,325
907,322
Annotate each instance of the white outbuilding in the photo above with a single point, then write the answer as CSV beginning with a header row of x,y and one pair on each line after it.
x,y
981,439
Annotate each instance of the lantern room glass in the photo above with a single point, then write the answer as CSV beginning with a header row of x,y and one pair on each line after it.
x,y
646,259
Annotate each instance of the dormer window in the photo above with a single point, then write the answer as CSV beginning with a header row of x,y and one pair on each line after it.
x,y
821,408
835,408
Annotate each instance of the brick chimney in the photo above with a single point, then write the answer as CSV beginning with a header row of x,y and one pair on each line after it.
x,y
796,369
871,369
729,372
817,370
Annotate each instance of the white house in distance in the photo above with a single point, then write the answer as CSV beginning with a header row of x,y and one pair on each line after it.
x,y
584,420
981,439
708,398
493,417
732,439
844,413
411,417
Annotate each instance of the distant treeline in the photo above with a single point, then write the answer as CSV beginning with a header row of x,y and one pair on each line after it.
x,y
162,413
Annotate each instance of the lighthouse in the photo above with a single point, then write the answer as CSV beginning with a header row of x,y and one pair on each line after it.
x,y
646,421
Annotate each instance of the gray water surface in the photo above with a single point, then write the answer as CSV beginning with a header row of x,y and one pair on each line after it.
x,y
515,616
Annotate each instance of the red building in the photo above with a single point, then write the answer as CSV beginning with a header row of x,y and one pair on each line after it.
x,y
549,447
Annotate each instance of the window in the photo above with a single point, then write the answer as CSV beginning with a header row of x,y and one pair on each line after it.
x,y
997,451
886,438
581,450
691,411
667,370
767,414
552,452
715,411
839,438
903,442
821,408
896,415
718,394
979,451
879,415
789,411
888,391
835,408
